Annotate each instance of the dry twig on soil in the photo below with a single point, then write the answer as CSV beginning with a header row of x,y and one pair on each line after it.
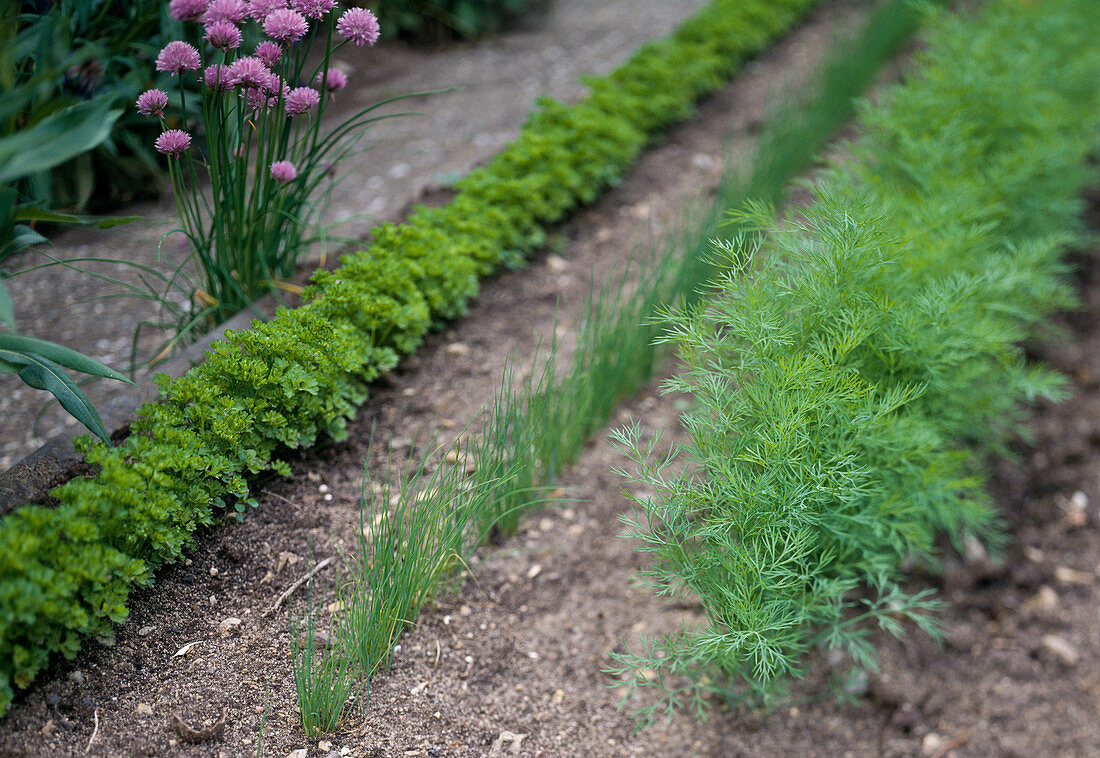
x,y
292,588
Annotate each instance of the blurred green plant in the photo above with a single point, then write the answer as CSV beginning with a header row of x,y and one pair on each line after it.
x,y
54,56
56,135
41,364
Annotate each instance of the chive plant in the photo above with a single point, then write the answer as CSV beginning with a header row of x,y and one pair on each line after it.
x,y
267,154
324,678
412,536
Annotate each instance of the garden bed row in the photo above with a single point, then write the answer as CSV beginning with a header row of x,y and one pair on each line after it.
x,y
860,364
66,571
817,727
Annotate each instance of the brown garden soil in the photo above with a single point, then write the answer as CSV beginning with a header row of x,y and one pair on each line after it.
x,y
513,663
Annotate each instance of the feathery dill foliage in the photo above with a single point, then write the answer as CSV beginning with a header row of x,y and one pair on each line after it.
x,y
855,366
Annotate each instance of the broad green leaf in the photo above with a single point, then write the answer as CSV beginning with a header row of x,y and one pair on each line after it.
x,y
7,310
42,373
23,237
56,138
8,197
59,354
53,217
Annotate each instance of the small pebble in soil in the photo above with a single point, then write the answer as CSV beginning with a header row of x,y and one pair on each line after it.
x,y
145,631
229,625
932,743
705,162
556,264
286,558
1077,509
1061,649
1066,575
974,552
1042,603
143,709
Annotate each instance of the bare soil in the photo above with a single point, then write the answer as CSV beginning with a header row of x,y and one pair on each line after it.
x,y
512,664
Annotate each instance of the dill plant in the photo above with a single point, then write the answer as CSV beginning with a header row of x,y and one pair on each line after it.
x,y
855,365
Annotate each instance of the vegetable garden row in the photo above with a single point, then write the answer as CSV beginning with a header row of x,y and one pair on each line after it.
x,y
852,366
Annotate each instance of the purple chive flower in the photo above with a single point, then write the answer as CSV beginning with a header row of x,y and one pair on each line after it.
x,y
276,87
259,10
301,99
266,95
178,56
285,25
187,10
269,52
358,25
249,71
283,172
152,102
257,99
312,8
334,80
172,142
223,35
216,77
233,11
